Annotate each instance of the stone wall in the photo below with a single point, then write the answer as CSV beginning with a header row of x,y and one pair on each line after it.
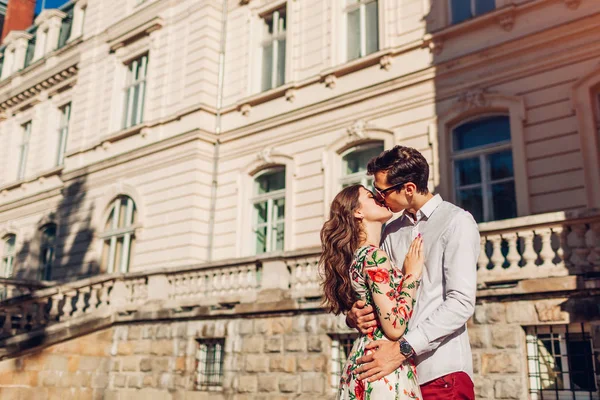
x,y
282,356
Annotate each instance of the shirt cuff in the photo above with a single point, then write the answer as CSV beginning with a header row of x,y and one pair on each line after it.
x,y
417,341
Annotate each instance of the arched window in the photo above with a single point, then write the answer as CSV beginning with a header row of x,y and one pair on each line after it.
x,y
483,168
118,235
354,164
269,210
8,255
47,250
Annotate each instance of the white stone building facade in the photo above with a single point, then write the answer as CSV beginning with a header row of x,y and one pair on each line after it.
x,y
140,137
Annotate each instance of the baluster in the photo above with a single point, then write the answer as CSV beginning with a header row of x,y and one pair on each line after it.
x,y
529,254
483,260
93,301
38,320
497,258
513,257
80,304
251,278
104,298
577,246
546,253
54,311
7,326
561,252
24,314
592,239
68,306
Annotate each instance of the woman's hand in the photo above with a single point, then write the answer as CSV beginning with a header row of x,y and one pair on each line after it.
x,y
414,261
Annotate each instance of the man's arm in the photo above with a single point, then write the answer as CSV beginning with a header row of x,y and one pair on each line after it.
x,y
460,273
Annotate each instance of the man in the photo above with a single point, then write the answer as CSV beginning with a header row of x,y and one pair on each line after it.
x,y
437,337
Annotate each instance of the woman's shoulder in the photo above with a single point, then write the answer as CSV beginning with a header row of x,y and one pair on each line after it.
x,y
371,256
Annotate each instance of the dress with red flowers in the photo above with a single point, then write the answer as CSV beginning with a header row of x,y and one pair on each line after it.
x,y
382,285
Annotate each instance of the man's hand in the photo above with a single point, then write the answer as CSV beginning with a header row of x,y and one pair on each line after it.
x,y
383,359
361,317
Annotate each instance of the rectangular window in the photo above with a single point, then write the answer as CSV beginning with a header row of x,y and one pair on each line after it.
x,y
26,134
362,28
269,211
341,347
560,361
462,10
63,133
209,364
354,165
273,49
135,92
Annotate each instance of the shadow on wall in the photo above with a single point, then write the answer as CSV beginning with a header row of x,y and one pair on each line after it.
x,y
68,262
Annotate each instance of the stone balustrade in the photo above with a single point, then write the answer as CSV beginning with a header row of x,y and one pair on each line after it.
x,y
534,247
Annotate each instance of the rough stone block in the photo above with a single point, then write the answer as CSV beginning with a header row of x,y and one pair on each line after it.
x,y
162,348
550,311
509,388
247,384
150,381
281,363
289,384
99,381
166,381
180,364
484,387
143,346
274,344
135,332
267,383
479,336
160,365
281,325
313,383
506,337
521,312
56,363
163,332
252,344
124,349
257,363
145,364
135,381
130,363
119,380
295,343
476,363
315,344
500,363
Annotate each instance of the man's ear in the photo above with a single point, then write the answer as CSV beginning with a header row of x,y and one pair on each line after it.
x,y
410,188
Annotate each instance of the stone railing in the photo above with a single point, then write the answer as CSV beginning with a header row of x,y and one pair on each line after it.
x,y
539,246
17,287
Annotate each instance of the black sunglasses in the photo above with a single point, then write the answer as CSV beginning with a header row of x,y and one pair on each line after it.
x,y
381,193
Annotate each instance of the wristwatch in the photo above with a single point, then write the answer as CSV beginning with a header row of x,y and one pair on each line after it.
x,y
406,349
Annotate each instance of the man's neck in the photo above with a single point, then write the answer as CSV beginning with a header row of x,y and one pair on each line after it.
x,y
419,200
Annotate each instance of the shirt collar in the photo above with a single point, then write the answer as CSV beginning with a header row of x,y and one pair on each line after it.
x,y
427,209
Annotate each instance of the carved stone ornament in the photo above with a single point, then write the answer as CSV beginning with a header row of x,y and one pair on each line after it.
x,y
330,81
245,109
507,21
385,62
357,130
435,45
265,155
290,95
475,98
572,4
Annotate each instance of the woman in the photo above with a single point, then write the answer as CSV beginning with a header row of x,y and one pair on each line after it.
x,y
355,267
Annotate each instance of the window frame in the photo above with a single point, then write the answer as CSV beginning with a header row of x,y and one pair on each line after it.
x,y
114,233
203,380
473,10
26,129
8,257
270,198
131,82
533,361
273,40
358,177
482,152
63,133
360,4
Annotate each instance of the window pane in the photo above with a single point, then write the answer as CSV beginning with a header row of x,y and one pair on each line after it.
x,y
472,201
468,171
461,10
484,6
503,200
260,212
281,62
279,209
481,132
353,35
501,165
582,376
267,66
279,233
270,181
9,244
261,240
372,29
357,160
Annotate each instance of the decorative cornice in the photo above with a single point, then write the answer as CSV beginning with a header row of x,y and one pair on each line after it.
x,y
14,36
330,81
386,62
48,14
38,88
120,35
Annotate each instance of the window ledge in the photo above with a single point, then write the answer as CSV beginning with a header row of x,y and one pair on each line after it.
x,y
125,133
121,34
39,177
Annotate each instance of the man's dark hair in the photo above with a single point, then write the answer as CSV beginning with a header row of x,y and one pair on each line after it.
x,y
403,165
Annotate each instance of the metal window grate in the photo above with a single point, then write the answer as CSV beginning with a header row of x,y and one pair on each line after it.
x,y
209,364
341,347
560,360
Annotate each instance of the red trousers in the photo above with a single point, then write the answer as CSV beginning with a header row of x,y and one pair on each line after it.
x,y
455,386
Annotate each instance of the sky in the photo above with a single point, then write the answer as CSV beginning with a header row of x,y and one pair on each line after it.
x,y
48,4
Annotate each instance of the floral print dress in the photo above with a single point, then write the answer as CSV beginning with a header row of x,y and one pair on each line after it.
x,y
372,273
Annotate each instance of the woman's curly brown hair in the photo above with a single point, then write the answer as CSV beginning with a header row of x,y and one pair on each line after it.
x,y
340,238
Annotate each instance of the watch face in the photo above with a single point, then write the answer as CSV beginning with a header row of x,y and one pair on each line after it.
x,y
405,348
